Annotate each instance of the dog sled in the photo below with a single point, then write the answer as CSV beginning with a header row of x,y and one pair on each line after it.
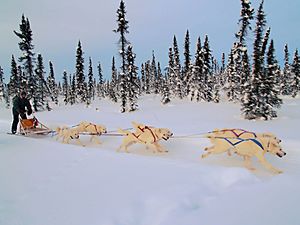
x,y
33,127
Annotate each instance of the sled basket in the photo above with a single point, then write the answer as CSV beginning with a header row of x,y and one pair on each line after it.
x,y
33,126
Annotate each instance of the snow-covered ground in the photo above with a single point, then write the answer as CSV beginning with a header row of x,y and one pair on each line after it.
x,y
45,182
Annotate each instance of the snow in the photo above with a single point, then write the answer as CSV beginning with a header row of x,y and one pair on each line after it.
x,y
43,181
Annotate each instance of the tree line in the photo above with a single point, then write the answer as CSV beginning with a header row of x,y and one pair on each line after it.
x,y
254,80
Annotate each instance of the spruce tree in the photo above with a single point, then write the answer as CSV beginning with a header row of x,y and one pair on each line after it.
x,y
65,87
187,55
254,100
52,83
133,86
165,92
90,85
79,74
27,58
271,89
143,78
246,14
170,71
147,72
286,81
101,82
14,82
187,63
40,91
207,73
238,78
177,70
123,42
153,82
159,79
123,92
73,90
2,90
231,75
122,29
113,89
296,74
197,85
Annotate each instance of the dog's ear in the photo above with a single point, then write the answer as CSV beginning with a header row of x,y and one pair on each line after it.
x,y
159,130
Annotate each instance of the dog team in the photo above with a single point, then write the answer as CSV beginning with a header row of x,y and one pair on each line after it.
x,y
244,143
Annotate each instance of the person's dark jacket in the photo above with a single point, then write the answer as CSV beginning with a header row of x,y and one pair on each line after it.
x,y
19,105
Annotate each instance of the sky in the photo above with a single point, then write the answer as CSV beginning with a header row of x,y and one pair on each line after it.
x,y
58,25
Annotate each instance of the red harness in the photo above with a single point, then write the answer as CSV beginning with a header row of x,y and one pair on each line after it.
x,y
143,130
97,132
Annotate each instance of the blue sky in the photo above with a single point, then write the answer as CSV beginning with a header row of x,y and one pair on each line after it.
x,y
57,26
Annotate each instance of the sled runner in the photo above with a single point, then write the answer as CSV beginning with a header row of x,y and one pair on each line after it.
x,y
33,127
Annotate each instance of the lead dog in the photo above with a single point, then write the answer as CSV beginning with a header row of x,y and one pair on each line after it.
x,y
68,134
239,133
247,148
92,129
149,136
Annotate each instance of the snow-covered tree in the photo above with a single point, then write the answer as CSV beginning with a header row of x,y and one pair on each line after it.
x,y
186,72
90,84
171,72
122,29
133,86
2,90
177,71
231,89
286,80
159,78
207,73
79,74
14,82
113,86
65,88
296,74
52,83
72,93
270,90
39,100
165,92
255,100
100,86
153,76
27,59
246,15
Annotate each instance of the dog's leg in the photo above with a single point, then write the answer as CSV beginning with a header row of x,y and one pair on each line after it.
x,y
247,163
160,148
153,147
79,142
95,139
125,146
266,164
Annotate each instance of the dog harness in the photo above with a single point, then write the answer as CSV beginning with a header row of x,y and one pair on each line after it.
x,y
240,134
97,132
242,140
143,130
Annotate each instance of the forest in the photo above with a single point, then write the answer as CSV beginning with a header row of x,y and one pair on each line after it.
x,y
252,78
